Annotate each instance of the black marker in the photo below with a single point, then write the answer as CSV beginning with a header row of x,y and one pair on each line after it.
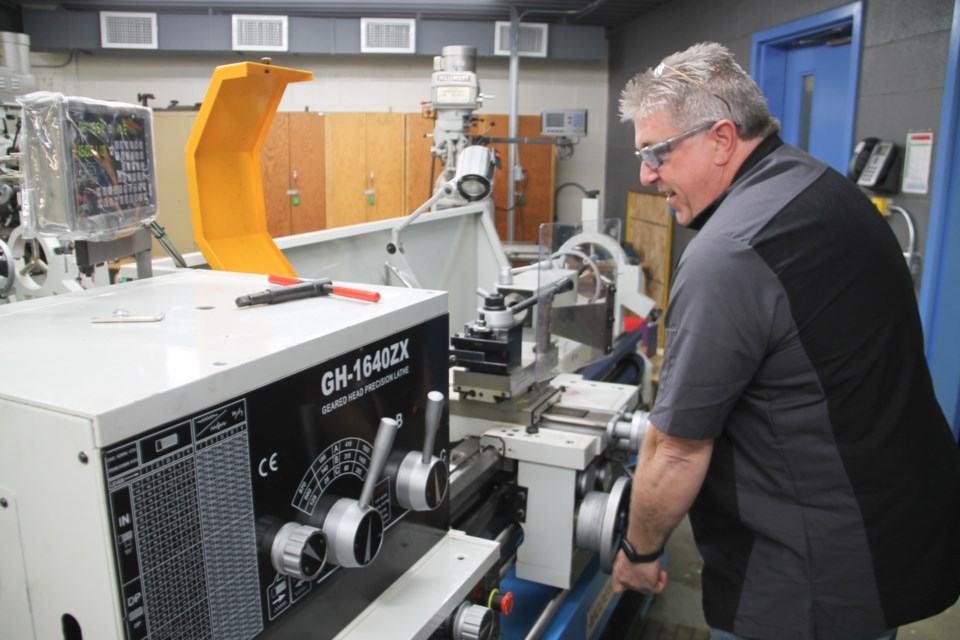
x,y
303,289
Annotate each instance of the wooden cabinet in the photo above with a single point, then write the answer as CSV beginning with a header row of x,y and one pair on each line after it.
x,y
650,233
365,167
330,170
422,168
292,157
535,194
292,164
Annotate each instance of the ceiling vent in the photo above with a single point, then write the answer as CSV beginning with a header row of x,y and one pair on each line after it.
x,y
124,30
260,33
533,40
388,35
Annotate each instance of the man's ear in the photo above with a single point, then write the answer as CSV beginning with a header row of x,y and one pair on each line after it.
x,y
725,138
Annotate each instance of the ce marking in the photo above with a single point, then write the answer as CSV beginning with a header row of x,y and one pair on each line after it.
x,y
268,464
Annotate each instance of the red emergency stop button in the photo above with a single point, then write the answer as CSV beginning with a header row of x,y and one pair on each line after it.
x,y
502,602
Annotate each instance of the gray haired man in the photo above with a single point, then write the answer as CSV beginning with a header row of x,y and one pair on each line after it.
x,y
795,418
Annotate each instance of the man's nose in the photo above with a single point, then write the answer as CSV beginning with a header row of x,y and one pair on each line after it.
x,y
648,176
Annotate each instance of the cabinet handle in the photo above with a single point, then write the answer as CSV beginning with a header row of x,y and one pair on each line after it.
x,y
371,191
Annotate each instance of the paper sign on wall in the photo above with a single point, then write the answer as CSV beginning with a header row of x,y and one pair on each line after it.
x,y
916,162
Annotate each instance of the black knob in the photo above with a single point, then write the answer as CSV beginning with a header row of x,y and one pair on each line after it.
x,y
299,550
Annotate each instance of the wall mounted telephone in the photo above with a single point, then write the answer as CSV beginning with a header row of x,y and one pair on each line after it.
x,y
875,165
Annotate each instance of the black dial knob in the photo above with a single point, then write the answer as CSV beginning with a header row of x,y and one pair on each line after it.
x,y
299,551
355,533
354,528
421,486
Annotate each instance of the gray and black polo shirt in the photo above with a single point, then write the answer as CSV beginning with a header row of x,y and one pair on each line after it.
x,y
831,509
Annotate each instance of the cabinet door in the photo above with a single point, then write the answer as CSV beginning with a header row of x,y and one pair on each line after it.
x,y
347,179
535,193
292,168
275,173
386,138
366,177
421,167
307,172
537,189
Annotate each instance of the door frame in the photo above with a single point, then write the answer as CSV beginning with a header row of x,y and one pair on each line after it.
x,y
768,62
939,294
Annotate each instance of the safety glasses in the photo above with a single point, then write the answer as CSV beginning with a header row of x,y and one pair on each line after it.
x,y
653,155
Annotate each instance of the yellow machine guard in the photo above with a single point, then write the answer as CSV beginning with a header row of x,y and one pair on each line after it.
x,y
223,167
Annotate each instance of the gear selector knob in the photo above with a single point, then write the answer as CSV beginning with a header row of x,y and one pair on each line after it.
x,y
422,477
354,529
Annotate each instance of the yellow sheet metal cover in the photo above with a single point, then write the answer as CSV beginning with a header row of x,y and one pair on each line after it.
x,y
223,167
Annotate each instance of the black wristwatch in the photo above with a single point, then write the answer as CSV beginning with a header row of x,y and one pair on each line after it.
x,y
637,558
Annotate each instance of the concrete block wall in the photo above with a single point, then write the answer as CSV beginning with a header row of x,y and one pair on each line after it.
x,y
902,72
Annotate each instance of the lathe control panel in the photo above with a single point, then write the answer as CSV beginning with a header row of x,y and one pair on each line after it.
x,y
224,521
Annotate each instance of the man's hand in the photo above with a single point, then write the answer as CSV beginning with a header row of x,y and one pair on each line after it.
x,y
646,577
668,478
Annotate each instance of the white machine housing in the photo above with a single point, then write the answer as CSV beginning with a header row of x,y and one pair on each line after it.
x,y
141,354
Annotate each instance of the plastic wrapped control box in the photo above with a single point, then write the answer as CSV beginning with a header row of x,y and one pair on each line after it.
x,y
89,171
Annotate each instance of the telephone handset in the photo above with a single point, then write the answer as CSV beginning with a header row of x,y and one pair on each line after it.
x,y
873,165
859,158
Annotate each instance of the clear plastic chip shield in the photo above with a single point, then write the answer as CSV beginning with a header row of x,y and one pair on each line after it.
x,y
88,167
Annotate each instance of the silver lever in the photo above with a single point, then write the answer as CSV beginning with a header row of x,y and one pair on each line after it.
x,y
422,478
381,448
434,411
353,528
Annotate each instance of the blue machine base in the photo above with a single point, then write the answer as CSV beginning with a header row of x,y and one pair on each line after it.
x,y
583,615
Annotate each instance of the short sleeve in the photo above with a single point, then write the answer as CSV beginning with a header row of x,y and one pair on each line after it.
x,y
720,317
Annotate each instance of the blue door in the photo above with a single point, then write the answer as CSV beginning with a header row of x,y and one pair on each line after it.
x,y
940,296
817,101
808,70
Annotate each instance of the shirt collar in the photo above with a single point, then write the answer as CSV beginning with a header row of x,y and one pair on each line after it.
x,y
765,148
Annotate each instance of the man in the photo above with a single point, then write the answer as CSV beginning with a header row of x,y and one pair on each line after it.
x,y
795,417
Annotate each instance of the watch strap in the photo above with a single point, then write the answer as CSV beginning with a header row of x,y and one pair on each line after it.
x,y
633,556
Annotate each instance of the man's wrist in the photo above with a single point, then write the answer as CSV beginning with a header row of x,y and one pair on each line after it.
x,y
637,558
